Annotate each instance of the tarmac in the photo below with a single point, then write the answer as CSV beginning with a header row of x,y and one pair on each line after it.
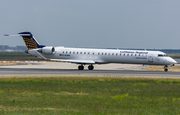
x,y
58,68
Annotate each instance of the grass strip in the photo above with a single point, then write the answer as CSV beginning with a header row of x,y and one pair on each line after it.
x,y
89,95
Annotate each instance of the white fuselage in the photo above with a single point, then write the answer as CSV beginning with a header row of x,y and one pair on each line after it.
x,y
102,56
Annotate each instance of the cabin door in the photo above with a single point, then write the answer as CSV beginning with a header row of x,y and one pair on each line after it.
x,y
150,58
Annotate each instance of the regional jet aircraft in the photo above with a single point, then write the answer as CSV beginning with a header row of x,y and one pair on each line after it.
x,y
87,56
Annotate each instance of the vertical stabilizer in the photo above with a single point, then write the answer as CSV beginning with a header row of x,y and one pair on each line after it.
x,y
30,41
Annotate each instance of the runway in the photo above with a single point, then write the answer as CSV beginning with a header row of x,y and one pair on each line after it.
x,y
25,71
54,68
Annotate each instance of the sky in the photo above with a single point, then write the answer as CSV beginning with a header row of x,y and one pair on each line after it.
x,y
93,23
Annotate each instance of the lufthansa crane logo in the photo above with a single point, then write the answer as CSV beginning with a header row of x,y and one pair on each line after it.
x,y
30,43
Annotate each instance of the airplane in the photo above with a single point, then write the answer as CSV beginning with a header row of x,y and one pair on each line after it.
x,y
89,56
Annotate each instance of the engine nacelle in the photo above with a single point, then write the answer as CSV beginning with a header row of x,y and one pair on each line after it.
x,y
47,50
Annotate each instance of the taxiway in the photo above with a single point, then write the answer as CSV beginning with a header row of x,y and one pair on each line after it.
x,y
53,68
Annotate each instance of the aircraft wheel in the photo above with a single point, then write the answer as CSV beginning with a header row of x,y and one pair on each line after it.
x,y
165,70
81,67
91,67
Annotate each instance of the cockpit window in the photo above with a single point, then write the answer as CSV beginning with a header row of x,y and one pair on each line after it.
x,y
162,55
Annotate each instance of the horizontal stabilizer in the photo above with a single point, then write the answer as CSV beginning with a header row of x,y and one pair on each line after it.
x,y
17,34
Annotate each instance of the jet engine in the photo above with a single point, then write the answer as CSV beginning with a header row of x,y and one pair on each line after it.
x,y
47,50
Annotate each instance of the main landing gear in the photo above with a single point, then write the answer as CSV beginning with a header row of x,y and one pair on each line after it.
x,y
90,67
165,68
81,67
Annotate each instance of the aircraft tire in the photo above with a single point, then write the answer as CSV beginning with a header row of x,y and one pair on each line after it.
x,y
91,67
165,70
81,67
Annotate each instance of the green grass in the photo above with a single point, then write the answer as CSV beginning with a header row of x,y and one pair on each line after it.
x,y
12,54
175,56
89,95
18,56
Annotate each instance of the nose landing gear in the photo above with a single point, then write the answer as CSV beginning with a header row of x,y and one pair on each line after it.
x,y
165,68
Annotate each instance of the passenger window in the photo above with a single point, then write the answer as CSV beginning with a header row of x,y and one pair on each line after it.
x,y
84,52
88,53
73,52
63,51
102,53
127,54
80,52
105,54
98,53
69,52
77,52
66,52
93,53
112,53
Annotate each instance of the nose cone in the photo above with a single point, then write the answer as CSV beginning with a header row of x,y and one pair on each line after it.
x,y
174,61
171,61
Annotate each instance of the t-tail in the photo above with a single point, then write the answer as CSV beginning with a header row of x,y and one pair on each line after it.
x,y
29,40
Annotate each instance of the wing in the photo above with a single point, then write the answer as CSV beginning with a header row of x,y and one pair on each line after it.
x,y
75,61
80,61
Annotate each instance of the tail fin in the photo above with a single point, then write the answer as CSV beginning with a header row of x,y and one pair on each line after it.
x,y
29,40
